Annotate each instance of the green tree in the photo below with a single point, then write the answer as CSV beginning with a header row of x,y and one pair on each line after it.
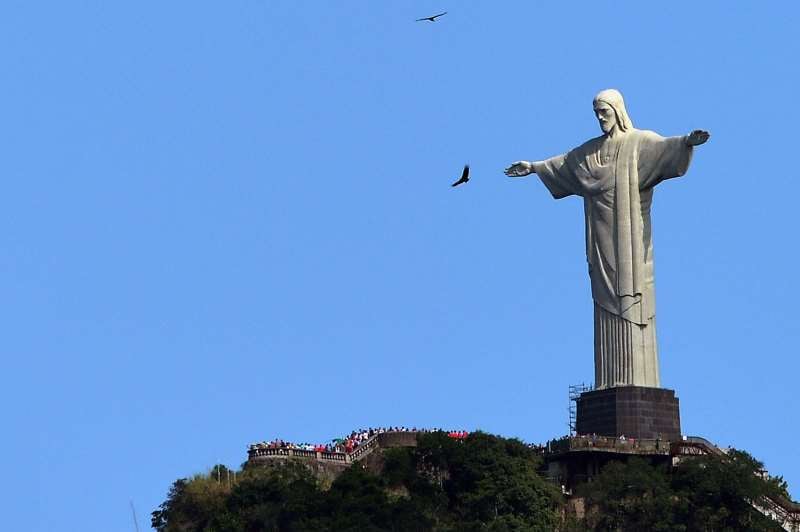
x,y
192,504
718,492
632,495
272,498
703,493
493,483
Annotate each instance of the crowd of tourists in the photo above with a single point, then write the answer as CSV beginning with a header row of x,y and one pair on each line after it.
x,y
350,442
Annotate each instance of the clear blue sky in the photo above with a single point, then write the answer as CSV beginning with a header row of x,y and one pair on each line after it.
x,y
230,221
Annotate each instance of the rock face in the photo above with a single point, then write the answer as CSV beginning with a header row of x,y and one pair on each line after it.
x,y
325,471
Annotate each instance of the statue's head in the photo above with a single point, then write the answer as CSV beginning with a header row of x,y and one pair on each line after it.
x,y
609,108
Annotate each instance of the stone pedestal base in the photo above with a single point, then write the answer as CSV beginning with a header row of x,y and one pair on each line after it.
x,y
633,411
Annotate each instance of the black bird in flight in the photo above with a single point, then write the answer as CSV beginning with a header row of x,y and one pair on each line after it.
x,y
431,18
464,177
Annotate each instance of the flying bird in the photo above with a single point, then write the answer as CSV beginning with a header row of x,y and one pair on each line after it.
x,y
431,18
464,177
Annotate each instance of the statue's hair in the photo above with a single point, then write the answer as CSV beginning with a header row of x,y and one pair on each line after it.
x,y
613,98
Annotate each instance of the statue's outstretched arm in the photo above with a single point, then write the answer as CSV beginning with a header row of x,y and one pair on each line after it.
x,y
697,137
521,169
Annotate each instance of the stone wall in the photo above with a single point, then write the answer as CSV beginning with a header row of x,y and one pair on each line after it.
x,y
397,439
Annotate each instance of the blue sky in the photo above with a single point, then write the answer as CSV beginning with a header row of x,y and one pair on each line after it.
x,y
232,221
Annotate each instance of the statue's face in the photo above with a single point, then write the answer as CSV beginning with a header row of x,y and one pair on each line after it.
x,y
606,116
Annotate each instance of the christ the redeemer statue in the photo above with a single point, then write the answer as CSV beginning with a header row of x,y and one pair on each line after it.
x,y
615,174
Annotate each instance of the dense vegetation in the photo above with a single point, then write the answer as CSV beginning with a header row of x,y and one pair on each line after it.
x,y
704,493
483,483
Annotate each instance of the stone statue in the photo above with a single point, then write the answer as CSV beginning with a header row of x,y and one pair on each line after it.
x,y
615,174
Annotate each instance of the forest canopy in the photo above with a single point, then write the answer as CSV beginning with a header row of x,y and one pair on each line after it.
x,y
481,483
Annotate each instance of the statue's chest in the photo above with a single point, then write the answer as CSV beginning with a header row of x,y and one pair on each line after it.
x,y
599,178
604,173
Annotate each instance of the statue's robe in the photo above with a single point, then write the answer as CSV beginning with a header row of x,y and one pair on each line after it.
x,y
615,176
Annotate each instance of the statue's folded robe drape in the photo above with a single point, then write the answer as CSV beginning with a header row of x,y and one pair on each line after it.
x,y
617,194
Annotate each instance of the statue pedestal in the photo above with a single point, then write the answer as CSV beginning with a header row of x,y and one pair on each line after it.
x,y
632,411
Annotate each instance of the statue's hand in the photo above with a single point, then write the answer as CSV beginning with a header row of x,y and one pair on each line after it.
x,y
697,137
519,169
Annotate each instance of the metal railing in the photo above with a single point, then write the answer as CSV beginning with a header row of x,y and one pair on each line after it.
x,y
288,452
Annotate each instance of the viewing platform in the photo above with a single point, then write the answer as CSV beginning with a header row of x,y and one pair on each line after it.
x,y
607,444
385,440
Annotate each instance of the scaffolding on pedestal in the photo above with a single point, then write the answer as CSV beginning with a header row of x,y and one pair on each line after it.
x,y
575,391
